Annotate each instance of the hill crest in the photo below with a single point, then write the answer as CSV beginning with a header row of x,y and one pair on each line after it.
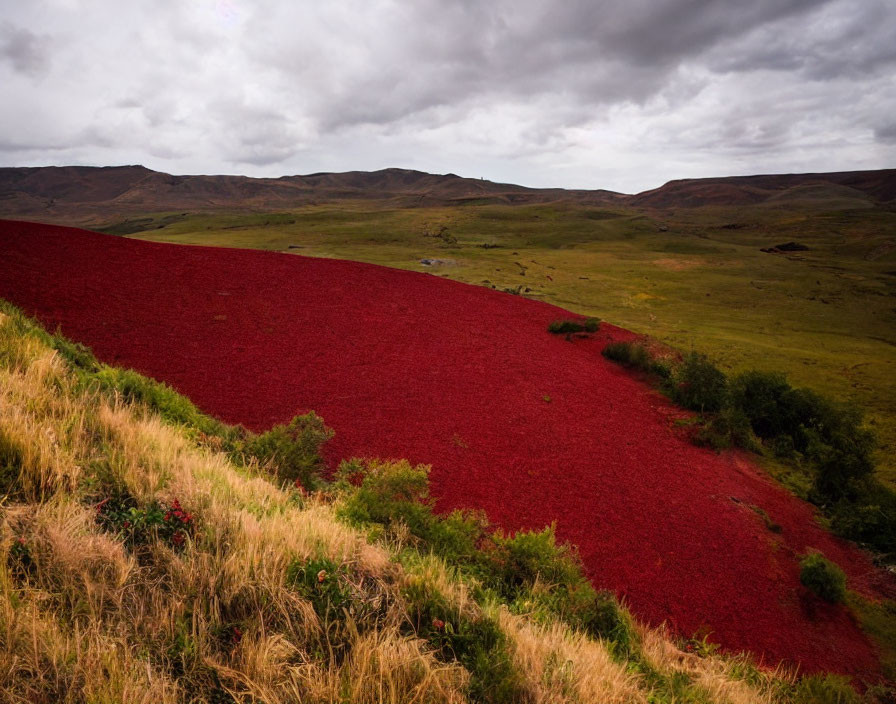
x,y
74,192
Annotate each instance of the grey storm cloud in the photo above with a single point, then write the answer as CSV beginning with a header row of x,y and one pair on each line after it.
x,y
585,93
25,51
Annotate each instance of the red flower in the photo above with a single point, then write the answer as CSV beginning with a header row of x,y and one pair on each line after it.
x,y
438,624
178,538
321,576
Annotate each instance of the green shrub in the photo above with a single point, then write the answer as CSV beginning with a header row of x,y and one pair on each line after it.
x,y
869,519
323,582
841,451
387,493
628,354
698,385
784,447
292,450
530,569
533,555
121,514
729,427
561,327
661,368
801,421
762,397
476,642
824,689
822,577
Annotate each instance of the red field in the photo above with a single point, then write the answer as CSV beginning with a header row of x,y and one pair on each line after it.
x,y
410,365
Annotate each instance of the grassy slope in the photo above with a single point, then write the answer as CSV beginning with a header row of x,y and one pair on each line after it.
x,y
92,615
826,317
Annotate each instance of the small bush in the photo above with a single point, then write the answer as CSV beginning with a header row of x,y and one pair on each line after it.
x,y
842,453
323,583
538,575
533,555
824,689
477,642
628,354
699,385
762,397
823,578
567,327
729,427
869,519
661,368
802,422
387,492
138,525
292,450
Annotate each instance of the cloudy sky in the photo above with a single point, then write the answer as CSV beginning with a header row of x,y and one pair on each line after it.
x,y
618,94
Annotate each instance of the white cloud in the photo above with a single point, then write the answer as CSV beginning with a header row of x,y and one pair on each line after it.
x,y
623,94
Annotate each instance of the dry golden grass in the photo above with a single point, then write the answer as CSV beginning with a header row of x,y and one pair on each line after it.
x,y
562,666
717,677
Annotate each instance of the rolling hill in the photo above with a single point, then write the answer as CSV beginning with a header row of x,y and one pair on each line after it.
x,y
531,428
80,193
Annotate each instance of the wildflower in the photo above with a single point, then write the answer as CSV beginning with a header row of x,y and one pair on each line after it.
x,y
438,624
321,576
178,538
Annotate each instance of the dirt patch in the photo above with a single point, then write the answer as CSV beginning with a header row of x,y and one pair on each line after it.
x,y
676,264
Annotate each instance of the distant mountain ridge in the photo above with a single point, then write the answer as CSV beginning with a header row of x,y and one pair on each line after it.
x,y
72,191
735,190
32,191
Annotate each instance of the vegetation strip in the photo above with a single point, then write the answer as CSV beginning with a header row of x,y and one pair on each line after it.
x,y
823,442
